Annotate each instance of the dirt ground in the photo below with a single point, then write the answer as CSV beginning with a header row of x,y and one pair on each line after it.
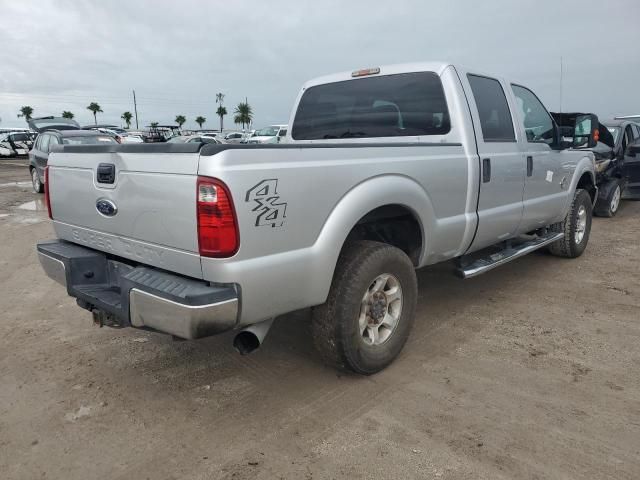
x,y
528,372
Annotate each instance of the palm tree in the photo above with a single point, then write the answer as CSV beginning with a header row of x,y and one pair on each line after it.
x,y
221,112
200,120
153,124
243,114
67,114
180,120
26,112
95,109
126,116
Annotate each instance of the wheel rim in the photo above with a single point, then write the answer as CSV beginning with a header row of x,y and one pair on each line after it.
x,y
381,309
35,179
615,201
581,224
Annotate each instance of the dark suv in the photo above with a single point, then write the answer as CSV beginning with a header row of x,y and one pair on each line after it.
x,y
57,131
612,171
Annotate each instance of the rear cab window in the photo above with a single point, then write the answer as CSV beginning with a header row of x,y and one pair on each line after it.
x,y
399,105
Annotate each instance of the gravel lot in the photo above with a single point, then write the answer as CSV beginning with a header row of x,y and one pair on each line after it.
x,y
528,372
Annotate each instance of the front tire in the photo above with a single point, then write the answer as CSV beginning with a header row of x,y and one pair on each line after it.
x,y
370,309
609,207
576,227
38,187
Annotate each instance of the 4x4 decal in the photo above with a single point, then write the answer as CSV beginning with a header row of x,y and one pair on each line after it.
x,y
270,211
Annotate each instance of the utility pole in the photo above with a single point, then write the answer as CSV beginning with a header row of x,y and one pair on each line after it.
x,y
560,84
135,108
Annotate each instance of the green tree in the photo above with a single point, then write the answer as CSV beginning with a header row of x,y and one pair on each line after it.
x,y
126,116
154,124
221,112
95,109
180,120
26,112
67,114
200,120
243,114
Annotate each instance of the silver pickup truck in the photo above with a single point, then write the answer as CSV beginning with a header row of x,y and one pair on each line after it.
x,y
384,170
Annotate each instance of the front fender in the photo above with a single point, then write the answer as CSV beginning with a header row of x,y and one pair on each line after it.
x,y
585,165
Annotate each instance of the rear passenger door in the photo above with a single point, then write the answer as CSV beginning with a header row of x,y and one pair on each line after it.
x,y
502,169
41,153
546,185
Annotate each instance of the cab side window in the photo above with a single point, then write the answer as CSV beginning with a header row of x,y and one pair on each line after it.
x,y
627,138
538,124
493,109
52,141
44,143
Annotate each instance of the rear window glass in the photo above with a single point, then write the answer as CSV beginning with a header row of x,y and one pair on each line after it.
x,y
21,137
400,105
495,117
88,140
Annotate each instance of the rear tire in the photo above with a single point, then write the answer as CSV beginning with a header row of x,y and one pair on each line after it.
x,y
370,309
576,227
38,187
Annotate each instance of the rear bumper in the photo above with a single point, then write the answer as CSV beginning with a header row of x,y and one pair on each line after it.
x,y
140,296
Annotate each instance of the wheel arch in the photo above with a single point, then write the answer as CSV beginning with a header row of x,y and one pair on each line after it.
x,y
386,198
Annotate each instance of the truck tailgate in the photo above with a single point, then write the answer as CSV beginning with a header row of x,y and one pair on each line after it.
x,y
153,193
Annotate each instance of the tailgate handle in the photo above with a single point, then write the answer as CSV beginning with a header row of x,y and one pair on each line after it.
x,y
106,173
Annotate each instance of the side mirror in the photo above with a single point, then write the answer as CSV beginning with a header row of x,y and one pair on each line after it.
x,y
586,133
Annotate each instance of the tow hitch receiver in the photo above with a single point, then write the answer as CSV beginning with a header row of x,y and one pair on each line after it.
x,y
102,319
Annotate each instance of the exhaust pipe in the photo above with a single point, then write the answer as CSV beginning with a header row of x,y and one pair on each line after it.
x,y
250,338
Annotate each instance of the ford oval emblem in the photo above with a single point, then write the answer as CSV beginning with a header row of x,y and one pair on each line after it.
x,y
106,207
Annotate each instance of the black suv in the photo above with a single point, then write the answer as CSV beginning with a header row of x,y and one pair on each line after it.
x,y
611,165
57,131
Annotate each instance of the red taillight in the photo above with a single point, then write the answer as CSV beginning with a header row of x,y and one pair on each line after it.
x,y
217,226
47,200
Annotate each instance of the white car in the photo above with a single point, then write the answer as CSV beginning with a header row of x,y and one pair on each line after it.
x,y
271,134
233,137
194,139
120,135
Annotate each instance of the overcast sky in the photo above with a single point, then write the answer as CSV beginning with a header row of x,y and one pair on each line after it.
x,y
62,55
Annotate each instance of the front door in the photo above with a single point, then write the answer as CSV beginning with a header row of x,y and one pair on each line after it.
x,y
502,169
546,185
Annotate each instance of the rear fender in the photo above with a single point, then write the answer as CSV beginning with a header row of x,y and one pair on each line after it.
x,y
354,205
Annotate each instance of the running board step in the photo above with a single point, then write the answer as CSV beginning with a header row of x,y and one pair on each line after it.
x,y
484,264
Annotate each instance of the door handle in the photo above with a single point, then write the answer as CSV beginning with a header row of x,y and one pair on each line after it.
x,y
486,170
529,166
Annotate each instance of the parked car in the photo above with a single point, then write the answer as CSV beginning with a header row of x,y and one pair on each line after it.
x,y
613,177
108,126
161,133
121,136
271,134
631,170
57,131
14,144
385,170
194,139
233,137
